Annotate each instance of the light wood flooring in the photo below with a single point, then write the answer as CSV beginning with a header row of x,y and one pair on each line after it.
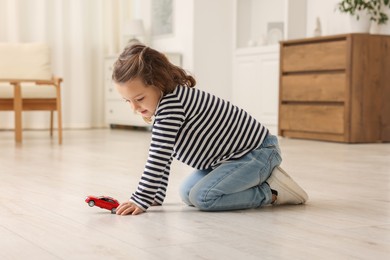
x,y
43,214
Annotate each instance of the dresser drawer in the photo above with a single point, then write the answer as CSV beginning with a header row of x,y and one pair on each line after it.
x,y
328,87
335,88
330,55
312,118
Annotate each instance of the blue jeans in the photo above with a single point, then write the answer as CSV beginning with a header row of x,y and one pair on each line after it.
x,y
236,184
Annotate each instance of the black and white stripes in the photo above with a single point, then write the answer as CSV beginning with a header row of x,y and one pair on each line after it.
x,y
198,129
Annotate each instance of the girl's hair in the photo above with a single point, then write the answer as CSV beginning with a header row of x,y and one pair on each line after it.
x,y
151,66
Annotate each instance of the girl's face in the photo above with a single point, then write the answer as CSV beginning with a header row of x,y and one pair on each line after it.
x,y
142,98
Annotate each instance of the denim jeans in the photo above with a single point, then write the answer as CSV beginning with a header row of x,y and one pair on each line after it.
x,y
236,184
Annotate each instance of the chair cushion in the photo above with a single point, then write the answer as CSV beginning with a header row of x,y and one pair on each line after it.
x,y
25,61
28,91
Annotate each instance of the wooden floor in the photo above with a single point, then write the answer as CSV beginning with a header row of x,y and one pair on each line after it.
x,y
43,214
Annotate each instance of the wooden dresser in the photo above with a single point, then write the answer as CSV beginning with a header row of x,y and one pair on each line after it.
x,y
336,88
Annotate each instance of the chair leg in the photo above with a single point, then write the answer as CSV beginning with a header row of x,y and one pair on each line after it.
x,y
59,114
59,126
18,106
51,123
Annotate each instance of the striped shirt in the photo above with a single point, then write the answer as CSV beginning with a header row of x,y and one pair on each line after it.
x,y
198,129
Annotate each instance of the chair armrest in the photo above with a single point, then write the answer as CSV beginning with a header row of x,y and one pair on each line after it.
x,y
53,81
57,80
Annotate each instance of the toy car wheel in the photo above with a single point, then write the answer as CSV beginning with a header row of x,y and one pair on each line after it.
x,y
113,211
91,203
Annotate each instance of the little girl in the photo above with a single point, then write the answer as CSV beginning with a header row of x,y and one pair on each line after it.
x,y
236,159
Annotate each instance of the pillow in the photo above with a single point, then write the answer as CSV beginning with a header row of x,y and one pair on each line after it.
x,y
25,61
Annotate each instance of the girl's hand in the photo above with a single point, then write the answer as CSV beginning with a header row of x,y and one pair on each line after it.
x,y
127,208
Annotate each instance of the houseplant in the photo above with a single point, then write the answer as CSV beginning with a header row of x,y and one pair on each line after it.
x,y
362,12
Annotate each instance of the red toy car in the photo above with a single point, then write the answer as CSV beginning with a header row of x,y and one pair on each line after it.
x,y
103,202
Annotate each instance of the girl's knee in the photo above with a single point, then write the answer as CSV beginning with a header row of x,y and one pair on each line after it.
x,y
184,192
200,201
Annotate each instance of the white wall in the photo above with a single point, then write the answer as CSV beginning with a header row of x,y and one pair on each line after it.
x,y
182,38
213,46
202,33
267,16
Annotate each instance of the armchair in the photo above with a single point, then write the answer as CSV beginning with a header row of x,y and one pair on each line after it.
x,y
27,84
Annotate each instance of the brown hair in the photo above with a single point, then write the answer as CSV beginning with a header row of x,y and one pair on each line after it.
x,y
153,67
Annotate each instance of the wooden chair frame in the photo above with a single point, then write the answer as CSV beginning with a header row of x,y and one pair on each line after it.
x,y
19,104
